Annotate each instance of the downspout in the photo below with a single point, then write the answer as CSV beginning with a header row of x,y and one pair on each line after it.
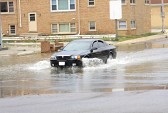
x,y
1,31
79,18
162,15
20,16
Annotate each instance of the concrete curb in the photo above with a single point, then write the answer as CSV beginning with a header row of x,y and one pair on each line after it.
x,y
143,39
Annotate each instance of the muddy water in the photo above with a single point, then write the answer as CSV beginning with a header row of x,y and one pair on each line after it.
x,y
142,66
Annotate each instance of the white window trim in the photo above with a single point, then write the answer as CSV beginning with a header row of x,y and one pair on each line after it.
x,y
121,28
147,3
58,32
10,29
91,5
92,29
8,8
133,3
72,27
131,24
69,10
52,28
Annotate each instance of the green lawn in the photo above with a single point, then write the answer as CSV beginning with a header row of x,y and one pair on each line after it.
x,y
118,39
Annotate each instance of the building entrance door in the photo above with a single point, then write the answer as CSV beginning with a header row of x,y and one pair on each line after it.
x,y
32,22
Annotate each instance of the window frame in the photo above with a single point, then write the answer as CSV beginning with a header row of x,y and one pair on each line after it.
x,y
72,27
133,24
54,29
10,29
147,2
10,8
132,2
91,3
69,2
124,2
119,24
90,26
32,17
57,29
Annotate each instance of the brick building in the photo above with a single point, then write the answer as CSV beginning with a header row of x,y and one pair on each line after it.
x,y
73,17
156,18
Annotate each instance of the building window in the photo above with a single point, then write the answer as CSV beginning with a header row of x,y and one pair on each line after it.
x,y
54,28
32,17
132,1
133,24
123,2
72,27
12,30
92,25
122,25
147,1
11,7
6,7
91,2
62,5
63,28
72,4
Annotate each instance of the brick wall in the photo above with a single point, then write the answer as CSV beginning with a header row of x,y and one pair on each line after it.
x,y
156,20
99,13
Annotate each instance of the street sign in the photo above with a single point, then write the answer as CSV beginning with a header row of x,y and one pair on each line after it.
x,y
115,12
115,9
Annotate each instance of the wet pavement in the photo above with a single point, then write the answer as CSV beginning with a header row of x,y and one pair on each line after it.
x,y
139,68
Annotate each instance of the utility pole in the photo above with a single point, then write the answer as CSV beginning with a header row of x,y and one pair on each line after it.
x,y
0,39
116,28
162,15
0,32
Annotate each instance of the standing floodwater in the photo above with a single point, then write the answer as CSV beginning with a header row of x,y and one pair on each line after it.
x,y
142,66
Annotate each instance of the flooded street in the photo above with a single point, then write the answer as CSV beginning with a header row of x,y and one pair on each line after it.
x,y
135,82
138,67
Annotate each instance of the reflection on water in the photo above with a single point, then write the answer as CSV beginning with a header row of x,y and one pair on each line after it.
x,y
140,66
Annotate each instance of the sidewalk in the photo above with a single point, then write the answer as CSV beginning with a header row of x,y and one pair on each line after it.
x,y
20,50
143,39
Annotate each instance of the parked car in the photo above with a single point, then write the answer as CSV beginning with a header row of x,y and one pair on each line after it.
x,y
74,51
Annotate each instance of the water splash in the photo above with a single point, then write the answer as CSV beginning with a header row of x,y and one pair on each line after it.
x,y
41,65
149,55
132,58
92,62
125,59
